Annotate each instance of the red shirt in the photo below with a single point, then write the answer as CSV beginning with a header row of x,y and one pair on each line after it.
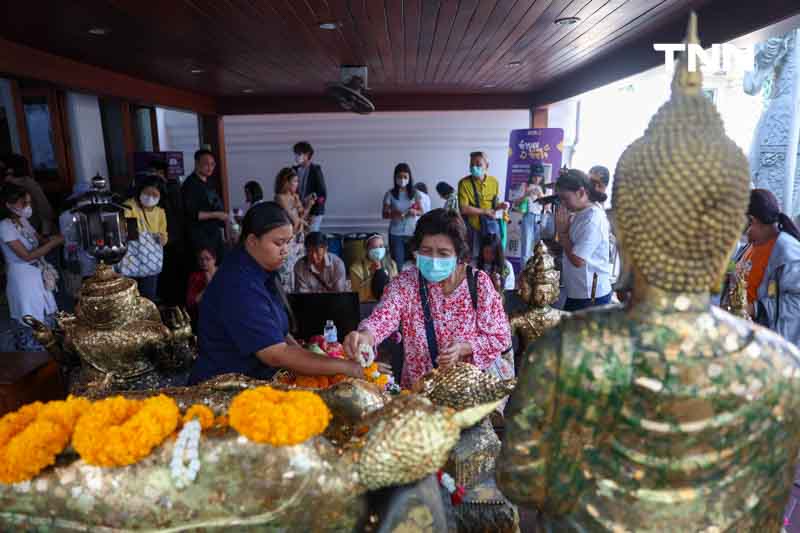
x,y
454,321
197,284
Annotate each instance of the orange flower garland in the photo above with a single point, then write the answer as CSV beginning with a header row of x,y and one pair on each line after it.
x,y
278,418
118,432
370,372
31,437
202,413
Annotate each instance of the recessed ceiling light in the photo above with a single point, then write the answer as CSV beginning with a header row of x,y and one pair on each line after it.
x,y
513,64
328,25
248,91
567,21
197,71
490,86
99,31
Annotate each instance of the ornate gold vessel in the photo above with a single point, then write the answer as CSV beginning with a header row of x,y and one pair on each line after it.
x,y
118,337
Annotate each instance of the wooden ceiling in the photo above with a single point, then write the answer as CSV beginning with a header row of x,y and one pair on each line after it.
x,y
277,46
275,50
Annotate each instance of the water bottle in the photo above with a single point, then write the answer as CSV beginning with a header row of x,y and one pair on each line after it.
x,y
330,332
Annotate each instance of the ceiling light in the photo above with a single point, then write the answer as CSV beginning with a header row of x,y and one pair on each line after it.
x,y
567,21
248,91
329,25
514,64
99,31
490,86
197,71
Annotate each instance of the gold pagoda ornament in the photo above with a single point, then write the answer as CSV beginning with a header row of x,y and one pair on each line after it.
x,y
670,414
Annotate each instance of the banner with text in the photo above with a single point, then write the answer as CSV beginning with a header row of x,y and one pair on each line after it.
x,y
526,147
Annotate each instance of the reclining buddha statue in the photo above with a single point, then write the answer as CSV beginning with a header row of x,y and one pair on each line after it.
x,y
670,414
250,456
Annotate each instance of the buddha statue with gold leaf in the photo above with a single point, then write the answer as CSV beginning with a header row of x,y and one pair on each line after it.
x,y
670,414
261,461
539,288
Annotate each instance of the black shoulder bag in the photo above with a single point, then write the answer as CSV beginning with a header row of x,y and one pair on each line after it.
x,y
489,225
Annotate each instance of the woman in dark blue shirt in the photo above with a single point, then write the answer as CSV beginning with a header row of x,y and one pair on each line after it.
x,y
244,321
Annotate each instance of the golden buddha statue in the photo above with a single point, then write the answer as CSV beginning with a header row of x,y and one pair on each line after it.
x,y
242,485
539,288
671,414
118,336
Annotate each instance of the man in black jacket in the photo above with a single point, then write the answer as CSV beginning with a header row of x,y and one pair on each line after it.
x,y
312,182
204,212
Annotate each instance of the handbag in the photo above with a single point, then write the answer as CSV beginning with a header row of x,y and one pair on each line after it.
x,y
145,257
489,225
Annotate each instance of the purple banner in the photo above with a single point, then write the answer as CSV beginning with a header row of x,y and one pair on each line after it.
x,y
526,147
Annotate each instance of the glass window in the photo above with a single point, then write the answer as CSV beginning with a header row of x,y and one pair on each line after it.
x,y
40,131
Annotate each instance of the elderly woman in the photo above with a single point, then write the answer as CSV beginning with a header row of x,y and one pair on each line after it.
x,y
771,265
369,276
448,311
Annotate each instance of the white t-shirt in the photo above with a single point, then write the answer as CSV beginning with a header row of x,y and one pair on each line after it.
x,y
424,201
510,281
589,235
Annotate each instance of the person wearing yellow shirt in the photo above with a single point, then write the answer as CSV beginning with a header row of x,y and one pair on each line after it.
x,y
151,221
369,276
488,189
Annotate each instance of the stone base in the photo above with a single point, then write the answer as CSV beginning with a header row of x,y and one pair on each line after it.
x,y
484,510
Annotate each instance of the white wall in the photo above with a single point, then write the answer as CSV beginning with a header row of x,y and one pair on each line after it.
x,y
358,154
178,131
86,136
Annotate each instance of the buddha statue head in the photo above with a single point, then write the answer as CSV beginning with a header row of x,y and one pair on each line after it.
x,y
539,283
681,192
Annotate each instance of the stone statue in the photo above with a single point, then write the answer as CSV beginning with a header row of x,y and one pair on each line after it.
x,y
539,288
246,486
670,414
774,69
118,337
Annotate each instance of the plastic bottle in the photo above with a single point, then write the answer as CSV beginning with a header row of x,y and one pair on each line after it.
x,y
330,333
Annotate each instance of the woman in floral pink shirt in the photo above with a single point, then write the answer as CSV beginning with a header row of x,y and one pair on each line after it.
x,y
462,333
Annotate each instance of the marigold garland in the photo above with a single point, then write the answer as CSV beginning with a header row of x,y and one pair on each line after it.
x,y
32,437
278,418
118,431
203,414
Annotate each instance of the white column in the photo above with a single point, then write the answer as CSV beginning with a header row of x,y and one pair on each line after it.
x,y
794,133
86,136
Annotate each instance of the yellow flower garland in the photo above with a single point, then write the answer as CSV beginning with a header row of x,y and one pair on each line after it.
x,y
278,418
118,431
31,437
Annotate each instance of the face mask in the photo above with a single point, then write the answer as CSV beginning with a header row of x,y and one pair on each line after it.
x,y
25,212
477,172
148,201
299,159
402,182
435,269
377,254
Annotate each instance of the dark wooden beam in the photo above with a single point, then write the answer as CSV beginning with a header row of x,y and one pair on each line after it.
x,y
719,21
245,105
21,61
539,117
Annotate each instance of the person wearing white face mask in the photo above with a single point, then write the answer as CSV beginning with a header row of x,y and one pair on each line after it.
x,y
311,189
447,311
145,257
30,280
369,276
402,207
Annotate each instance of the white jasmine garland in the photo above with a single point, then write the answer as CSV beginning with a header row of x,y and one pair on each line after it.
x,y
185,462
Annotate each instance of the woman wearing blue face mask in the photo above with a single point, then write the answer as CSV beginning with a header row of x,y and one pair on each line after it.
x,y
448,311
370,276
402,208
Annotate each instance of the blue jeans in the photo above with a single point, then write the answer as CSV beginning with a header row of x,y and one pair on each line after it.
x,y
400,249
530,236
148,286
578,304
